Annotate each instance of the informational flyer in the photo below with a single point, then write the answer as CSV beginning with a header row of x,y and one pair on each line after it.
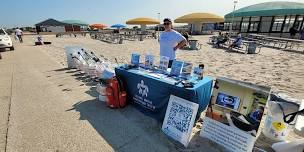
x,y
164,62
179,119
135,59
176,68
234,116
186,70
149,61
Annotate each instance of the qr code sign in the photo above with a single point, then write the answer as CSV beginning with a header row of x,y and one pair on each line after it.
x,y
180,117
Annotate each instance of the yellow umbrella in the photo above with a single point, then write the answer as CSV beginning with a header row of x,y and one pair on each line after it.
x,y
142,21
199,17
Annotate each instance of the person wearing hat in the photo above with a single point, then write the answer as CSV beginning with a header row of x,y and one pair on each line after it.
x,y
170,40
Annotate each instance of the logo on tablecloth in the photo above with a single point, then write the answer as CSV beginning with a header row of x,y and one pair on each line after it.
x,y
143,89
142,97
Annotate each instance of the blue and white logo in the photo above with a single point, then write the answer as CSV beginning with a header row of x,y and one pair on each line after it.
x,y
143,89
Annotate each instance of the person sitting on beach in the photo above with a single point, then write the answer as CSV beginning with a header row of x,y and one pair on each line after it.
x,y
223,39
237,42
170,40
40,40
215,38
186,35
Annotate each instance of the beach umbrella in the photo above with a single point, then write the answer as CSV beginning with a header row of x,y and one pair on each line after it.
x,y
98,26
142,21
118,26
197,19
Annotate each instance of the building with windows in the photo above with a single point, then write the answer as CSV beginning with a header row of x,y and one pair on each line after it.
x,y
83,25
54,26
270,18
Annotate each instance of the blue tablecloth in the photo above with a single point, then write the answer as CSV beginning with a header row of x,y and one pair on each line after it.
x,y
151,94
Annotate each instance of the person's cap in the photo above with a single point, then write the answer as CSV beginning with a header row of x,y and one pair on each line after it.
x,y
167,20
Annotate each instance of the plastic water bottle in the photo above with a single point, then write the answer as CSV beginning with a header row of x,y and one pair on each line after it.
x,y
101,89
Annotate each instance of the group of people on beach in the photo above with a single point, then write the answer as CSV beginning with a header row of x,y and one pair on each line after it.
x,y
222,38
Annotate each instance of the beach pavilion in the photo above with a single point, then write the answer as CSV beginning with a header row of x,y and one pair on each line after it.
x,y
270,18
83,25
143,22
52,25
199,21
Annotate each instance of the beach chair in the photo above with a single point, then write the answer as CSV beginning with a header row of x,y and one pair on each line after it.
x,y
212,39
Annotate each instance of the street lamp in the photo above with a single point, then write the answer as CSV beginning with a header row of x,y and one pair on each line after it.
x,y
234,2
158,15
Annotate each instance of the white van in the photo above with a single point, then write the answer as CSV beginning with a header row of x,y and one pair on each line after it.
x,y
5,40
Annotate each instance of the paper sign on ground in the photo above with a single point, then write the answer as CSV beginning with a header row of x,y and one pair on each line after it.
x,y
229,137
236,110
179,119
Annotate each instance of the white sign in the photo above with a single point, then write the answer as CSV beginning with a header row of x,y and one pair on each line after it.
x,y
179,119
229,137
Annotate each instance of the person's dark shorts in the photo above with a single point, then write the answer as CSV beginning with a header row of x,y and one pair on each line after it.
x,y
170,63
234,45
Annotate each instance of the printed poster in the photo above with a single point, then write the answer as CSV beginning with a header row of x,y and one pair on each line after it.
x,y
235,114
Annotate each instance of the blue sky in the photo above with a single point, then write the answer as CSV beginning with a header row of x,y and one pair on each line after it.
x,y
29,12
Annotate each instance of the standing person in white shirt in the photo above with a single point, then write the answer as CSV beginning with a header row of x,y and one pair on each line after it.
x,y
170,40
19,34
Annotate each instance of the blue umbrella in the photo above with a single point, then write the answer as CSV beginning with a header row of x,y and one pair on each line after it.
x,y
118,26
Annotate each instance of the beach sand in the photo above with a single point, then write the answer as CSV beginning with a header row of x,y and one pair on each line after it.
x,y
280,70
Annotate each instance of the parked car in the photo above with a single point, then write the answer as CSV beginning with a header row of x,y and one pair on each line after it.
x,y
5,40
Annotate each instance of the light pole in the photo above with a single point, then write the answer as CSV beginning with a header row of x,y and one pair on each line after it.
x,y
158,15
234,2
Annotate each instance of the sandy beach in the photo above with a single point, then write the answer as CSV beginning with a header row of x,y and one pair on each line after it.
x,y
280,70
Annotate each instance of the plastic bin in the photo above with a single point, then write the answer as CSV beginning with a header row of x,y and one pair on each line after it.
x,y
252,48
275,127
